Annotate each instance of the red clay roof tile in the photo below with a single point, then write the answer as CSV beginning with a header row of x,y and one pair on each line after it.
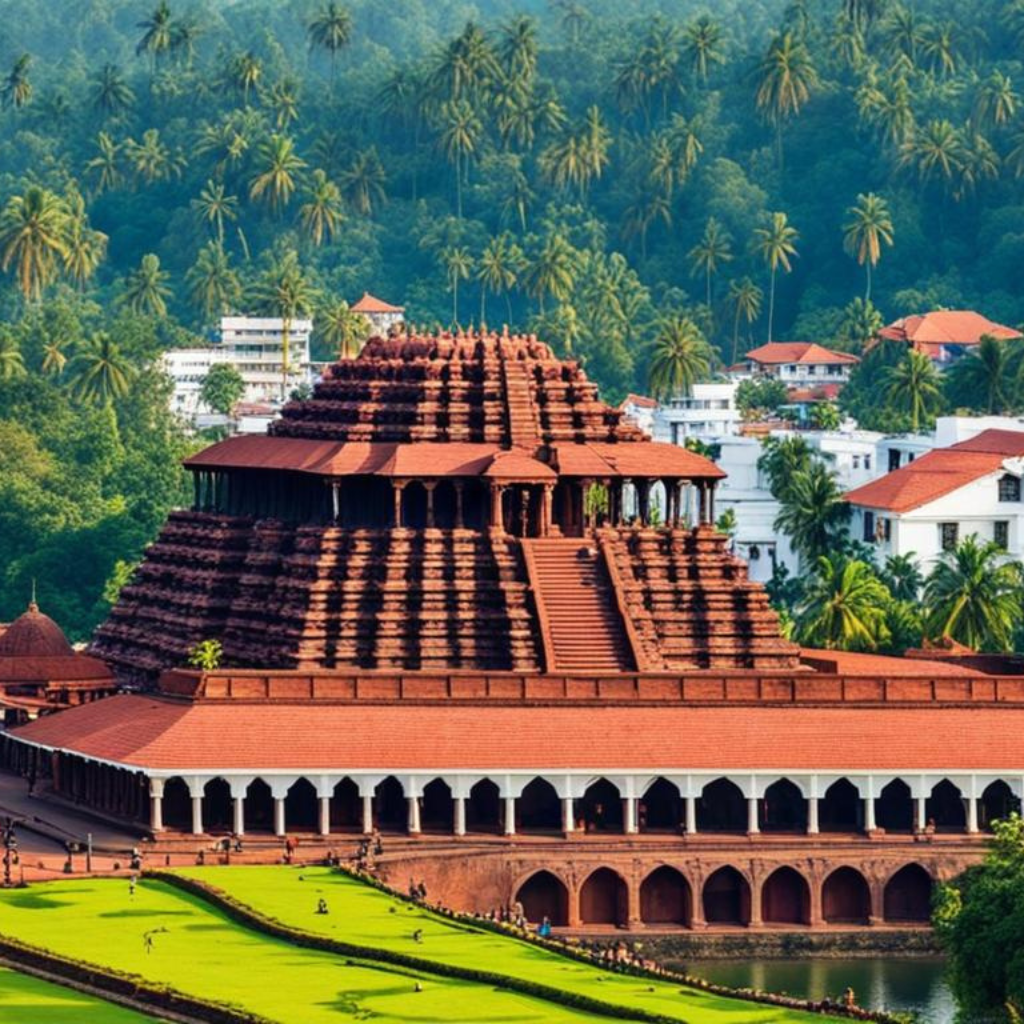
x,y
805,352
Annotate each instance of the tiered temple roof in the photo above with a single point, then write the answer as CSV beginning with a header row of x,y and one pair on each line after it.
x,y
433,507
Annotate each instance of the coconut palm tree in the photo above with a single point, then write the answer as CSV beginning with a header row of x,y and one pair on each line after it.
x,y
458,266
12,363
158,34
85,246
995,102
105,168
983,379
461,131
284,290
145,289
246,72
283,99
776,243
903,577
702,46
860,323
935,151
551,272
913,387
780,461
972,596
213,286
939,45
54,360
152,159
518,49
16,89
707,256
498,270
680,357
111,94
362,182
845,607
867,230
745,299
330,30
813,512
786,77
342,330
280,165
99,372
215,206
33,238
321,212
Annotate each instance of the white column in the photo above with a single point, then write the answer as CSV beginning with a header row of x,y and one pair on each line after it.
x,y
460,815
869,814
568,822
197,815
325,815
752,826
367,815
922,818
279,816
156,805
631,826
414,815
238,825
510,815
691,815
812,816
972,814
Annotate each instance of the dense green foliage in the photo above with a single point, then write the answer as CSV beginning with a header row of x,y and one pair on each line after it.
x,y
979,918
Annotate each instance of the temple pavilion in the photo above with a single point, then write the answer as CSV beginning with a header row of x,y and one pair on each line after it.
x,y
462,601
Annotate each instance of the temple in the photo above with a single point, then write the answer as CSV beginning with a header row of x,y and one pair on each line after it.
x,y
462,602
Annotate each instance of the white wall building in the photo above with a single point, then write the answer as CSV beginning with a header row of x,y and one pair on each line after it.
x,y
929,505
252,345
708,412
640,411
800,363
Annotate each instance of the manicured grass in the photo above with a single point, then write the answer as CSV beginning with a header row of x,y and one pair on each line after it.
x,y
361,914
200,952
27,1000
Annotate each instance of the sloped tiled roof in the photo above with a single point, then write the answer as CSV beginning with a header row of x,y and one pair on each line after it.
x,y
806,352
371,304
945,327
940,472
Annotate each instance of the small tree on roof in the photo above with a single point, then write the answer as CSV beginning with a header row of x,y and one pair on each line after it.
x,y
206,655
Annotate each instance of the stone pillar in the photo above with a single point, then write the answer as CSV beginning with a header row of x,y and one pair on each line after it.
x,y
197,815
414,815
670,504
922,818
546,509
691,815
869,814
752,826
568,822
756,890
156,805
279,828
524,512
430,486
510,815
972,815
397,487
643,500
497,518
460,515
812,816
702,500
711,503
325,816
629,806
238,825
336,500
460,815
367,814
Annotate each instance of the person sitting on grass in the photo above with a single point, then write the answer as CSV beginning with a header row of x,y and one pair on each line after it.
x,y
321,906
417,936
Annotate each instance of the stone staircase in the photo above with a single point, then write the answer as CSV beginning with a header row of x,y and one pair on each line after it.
x,y
572,586
522,419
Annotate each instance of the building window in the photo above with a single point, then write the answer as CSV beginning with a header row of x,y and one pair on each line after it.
x,y
1001,533
869,527
856,462
948,534
894,459
867,461
1009,488
885,530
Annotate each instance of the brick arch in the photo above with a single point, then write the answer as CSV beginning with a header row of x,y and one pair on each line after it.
x,y
908,894
544,894
726,897
786,897
846,897
604,898
666,897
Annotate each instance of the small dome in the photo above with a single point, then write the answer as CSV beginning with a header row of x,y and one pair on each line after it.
x,y
34,635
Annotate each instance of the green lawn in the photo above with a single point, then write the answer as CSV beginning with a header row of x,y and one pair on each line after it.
x,y
27,1000
361,914
202,953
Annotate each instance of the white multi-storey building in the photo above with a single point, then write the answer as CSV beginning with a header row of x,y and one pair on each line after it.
x,y
254,346
708,411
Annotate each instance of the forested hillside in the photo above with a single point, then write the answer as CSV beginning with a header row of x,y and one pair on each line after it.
x,y
605,174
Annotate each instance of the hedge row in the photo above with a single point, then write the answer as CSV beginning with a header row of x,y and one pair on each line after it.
x,y
245,915
120,983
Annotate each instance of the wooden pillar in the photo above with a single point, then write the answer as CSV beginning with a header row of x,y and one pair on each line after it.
x,y
497,517
397,487
430,486
460,517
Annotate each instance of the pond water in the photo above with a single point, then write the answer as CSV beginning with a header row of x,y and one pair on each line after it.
x,y
891,983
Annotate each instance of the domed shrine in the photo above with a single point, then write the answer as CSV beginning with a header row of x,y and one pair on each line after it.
x,y
462,602
40,670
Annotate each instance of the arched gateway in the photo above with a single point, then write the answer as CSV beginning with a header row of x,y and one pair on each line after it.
x,y
467,605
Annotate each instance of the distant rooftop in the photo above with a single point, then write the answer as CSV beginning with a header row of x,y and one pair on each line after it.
x,y
371,304
806,352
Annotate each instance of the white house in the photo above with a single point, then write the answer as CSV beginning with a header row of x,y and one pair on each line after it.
x,y
799,363
254,346
708,412
928,506
381,315
640,411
